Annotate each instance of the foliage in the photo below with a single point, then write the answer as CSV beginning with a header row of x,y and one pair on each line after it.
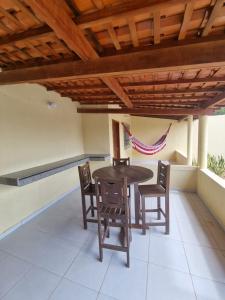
x,y
220,112
217,164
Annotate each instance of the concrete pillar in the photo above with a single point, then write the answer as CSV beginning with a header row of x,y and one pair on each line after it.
x,y
203,141
190,141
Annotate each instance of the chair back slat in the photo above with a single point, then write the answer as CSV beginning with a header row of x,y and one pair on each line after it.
x,y
163,177
121,161
85,176
113,193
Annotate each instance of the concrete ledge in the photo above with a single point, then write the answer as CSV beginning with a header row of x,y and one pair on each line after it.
x,y
27,176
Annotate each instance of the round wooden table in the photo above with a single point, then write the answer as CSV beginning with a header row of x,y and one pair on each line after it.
x,y
134,174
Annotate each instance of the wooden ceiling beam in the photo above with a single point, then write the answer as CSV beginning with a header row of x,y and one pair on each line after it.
x,y
186,20
146,111
214,14
207,54
58,16
127,9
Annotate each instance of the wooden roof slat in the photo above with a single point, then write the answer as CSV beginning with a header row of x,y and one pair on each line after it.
x,y
128,9
186,20
142,84
156,27
5,28
214,14
29,34
215,101
10,17
176,91
98,3
37,50
133,32
25,9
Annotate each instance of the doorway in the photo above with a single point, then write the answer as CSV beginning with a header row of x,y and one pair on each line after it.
x,y
116,138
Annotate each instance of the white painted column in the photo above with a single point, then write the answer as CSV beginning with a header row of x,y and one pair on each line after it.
x,y
203,141
190,140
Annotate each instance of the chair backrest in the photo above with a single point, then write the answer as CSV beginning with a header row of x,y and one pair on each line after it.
x,y
121,161
113,193
163,177
85,176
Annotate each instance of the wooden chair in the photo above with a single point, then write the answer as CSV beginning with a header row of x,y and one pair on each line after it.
x,y
87,189
113,210
161,189
121,161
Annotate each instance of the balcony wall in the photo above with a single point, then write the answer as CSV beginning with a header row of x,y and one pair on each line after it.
x,y
211,189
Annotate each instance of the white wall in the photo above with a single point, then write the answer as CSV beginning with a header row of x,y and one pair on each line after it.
x,y
33,135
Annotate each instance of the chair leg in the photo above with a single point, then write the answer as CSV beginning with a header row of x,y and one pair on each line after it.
x,y
167,212
127,244
100,241
143,215
92,206
84,211
158,207
128,258
106,223
130,233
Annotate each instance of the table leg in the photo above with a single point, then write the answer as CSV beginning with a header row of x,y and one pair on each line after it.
x,y
136,203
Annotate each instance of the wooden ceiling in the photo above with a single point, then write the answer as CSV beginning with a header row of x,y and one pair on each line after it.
x,y
149,57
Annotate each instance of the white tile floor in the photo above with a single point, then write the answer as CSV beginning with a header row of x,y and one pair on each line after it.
x,y
52,257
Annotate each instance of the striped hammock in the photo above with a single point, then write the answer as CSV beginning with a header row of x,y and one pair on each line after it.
x,y
147,149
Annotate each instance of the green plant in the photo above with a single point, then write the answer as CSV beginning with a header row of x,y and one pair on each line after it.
x,y
216,164
220,111
194,162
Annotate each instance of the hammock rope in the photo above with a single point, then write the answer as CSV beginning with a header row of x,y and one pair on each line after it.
x,y
148,149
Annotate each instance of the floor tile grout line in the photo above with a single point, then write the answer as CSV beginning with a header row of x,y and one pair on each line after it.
x,y
32,264
63,276
105,276
190,274
16,283
195,244
146,292
208,279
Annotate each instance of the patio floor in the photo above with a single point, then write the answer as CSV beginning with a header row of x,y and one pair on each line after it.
x,y
52,257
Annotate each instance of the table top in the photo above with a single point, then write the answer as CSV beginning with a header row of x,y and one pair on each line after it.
x,y
134,174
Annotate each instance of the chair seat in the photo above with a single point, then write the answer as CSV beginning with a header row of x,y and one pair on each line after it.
x,y
151,190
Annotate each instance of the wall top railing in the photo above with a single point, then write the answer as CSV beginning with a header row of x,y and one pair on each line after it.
x,y
30,175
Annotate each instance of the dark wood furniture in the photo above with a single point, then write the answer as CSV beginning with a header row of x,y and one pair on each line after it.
x,y
134,175
113,210
161,189
121,161
87,189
